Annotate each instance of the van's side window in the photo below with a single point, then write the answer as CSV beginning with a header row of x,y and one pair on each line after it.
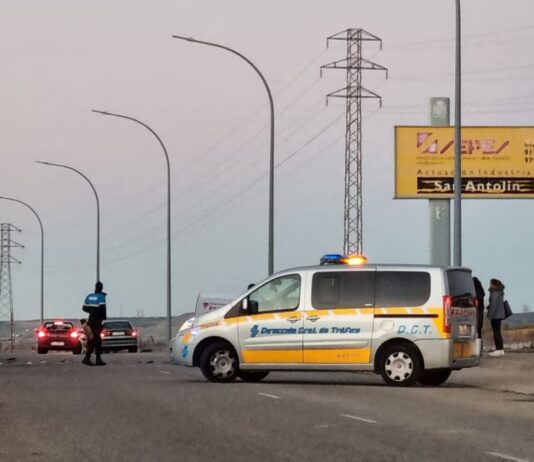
x,y
340,289
281,294
402,288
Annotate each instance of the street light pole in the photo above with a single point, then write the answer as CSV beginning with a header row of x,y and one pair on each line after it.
x,y
97,210
271,157
458,142
42,249
169,311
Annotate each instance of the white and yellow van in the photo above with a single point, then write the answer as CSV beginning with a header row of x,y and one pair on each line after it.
x,y
408,323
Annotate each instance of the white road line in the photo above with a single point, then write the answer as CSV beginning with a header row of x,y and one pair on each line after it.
x,y
165,372
267,395
505,457
360,419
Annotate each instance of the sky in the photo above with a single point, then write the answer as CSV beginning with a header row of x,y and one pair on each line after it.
x,y
62,58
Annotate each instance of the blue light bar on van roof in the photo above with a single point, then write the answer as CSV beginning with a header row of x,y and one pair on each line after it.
x,y
332,259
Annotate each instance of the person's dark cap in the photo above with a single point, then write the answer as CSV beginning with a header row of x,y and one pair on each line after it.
x,y
99,287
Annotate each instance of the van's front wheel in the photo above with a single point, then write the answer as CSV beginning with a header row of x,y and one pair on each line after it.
x,y
434,377
400,365
218,362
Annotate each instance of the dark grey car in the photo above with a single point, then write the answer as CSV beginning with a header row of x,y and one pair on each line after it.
x,y
119,335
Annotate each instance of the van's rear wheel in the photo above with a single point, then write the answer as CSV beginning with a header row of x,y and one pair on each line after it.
x,y
400,365
434,377
218,362
252,376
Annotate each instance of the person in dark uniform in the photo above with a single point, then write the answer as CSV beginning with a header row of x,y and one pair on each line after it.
x,y
95,305
479,290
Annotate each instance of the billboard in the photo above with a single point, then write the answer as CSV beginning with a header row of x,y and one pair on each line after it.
x,y
497,162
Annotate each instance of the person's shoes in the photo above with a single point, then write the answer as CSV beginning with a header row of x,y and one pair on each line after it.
x,y
87,362
99,362
496,353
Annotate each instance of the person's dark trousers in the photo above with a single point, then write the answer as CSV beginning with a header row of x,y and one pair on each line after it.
x,y
97,346
94,345
480,321
89,351
497,336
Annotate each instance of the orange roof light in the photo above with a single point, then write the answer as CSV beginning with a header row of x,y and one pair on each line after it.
x,y
355,260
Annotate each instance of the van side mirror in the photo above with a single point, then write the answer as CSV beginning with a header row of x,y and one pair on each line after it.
x,y
249,306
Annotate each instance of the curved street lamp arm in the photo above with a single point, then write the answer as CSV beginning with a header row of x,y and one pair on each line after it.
x,y
216,45
26,205
140,123
97,209
78,172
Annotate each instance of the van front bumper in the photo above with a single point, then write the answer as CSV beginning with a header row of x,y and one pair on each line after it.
x,y
181,351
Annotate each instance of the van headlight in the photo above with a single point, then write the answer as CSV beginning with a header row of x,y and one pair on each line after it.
x,y
186,325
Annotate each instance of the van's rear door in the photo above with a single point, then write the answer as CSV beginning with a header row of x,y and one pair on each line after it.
x,y
461,314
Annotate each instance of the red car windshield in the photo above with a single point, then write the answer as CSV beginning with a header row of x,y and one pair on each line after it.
x,y
58,328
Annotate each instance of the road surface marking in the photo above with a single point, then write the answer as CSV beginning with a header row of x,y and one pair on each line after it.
x,y
505,457
267,395
360,419
165,372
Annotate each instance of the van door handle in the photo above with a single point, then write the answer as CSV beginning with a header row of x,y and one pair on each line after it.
x,y
313,318
293,319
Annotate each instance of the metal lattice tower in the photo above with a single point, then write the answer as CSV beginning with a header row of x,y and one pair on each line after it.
x,y
354,93
6,259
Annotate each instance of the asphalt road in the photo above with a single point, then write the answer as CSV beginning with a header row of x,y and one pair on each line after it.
x,y
141,408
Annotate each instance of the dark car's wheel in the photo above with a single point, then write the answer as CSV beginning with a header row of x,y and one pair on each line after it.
x,y
42,351
219,363
400,365
77,350
132,350
434,377
252,376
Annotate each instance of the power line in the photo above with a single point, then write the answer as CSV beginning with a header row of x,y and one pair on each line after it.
x,y
223,203
465,38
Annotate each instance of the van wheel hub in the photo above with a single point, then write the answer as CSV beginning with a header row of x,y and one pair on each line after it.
x,y
399,366
222,364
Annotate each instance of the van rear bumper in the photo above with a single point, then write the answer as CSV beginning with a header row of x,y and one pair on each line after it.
x,y
448,354
466,354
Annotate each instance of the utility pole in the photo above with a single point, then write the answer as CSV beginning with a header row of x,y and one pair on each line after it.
x,y
6,290
440,209
354,93
457,253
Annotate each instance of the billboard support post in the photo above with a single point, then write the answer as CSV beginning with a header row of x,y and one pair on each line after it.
x,y
440,209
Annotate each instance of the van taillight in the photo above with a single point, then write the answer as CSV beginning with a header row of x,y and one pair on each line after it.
x,y
447,304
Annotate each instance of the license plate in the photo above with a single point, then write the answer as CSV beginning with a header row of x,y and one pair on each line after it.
x,y
117,333
464,330
57,343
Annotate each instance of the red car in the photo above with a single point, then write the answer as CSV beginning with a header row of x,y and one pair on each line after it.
x,y
58,335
